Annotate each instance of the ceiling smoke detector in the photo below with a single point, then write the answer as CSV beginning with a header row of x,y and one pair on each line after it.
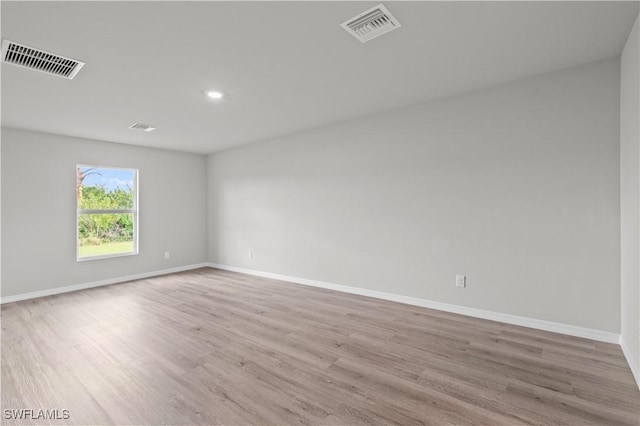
x,y
143,127
39,60
371,23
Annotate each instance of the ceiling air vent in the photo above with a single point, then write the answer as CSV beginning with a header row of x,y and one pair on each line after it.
x,y
39,60
371,23
143,127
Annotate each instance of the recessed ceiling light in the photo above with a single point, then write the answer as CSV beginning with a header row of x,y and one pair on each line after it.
x,y
215,95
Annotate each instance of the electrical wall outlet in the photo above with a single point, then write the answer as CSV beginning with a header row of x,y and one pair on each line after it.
x,y
461,281
167,255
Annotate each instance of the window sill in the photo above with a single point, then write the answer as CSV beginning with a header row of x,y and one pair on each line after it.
x,y
105,256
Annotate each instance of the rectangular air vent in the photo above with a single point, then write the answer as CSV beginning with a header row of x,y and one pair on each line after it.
x,y
143,127
39,60
371,23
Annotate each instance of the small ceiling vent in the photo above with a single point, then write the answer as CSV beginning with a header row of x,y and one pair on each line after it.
x,y
143,127
371,23
39,60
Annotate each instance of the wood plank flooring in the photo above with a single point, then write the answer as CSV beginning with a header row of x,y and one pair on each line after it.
x,y
216,347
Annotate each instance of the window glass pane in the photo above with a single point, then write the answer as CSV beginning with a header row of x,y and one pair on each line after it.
x,y
105,234
104,188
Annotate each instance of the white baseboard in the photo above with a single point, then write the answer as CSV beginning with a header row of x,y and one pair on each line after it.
x,y
633,363
75,287
571,330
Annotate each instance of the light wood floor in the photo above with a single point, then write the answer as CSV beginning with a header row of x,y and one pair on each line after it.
x,y
216,347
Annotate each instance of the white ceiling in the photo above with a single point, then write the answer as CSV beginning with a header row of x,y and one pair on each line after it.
x,y
284,66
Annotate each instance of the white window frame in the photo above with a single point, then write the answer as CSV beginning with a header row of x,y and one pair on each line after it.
x,y
135,211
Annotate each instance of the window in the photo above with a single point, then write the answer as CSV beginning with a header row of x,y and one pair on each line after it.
x,y
107,212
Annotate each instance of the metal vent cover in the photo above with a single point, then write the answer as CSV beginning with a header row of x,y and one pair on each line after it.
x,y
39,60
143,127
371,23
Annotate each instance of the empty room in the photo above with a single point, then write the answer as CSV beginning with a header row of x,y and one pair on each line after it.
x,y
320,213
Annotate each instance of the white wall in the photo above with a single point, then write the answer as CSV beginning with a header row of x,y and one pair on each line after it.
x,y
630,197
516,186
38,216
